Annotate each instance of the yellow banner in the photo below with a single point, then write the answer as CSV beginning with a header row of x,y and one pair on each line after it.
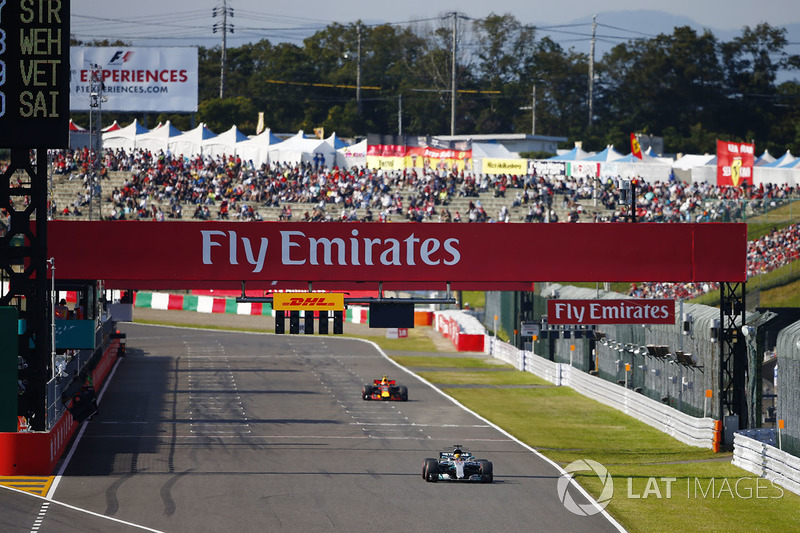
x,y
386,163
307,301
517,167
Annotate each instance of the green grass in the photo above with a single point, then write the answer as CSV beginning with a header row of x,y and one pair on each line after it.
x,y
491,378
446,362
198,326
566,426
784,296
475,299
417,341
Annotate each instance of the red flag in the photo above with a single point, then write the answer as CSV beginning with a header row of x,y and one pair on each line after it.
x,y
734,163
636,149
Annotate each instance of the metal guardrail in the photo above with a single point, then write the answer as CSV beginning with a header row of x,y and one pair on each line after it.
x,y
57,385
766,461
75,364
687,429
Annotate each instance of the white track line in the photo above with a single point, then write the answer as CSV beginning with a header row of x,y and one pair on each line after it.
x,y
506,433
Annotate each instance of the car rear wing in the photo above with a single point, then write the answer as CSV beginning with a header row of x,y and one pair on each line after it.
x,y
449,455
390,382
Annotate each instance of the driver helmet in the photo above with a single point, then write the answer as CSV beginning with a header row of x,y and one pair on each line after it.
x,y
457,454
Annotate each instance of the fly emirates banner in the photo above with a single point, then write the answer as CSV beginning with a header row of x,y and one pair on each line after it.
x,y
342,251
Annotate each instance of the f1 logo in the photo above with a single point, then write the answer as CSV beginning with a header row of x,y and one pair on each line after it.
x,y
120,57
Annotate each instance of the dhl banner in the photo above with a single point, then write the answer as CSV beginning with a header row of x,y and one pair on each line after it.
x,y
308,301
734,163
518,167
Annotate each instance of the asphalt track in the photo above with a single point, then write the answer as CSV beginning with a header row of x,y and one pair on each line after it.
x,y
219,431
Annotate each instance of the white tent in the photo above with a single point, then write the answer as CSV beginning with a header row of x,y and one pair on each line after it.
x,y
609,154
690,161
299,149
649,168
78,136
124,138
256,149
492,150
335,142
765,158
157,139
223,144
351,156
190,143
576,154
481,151
783,160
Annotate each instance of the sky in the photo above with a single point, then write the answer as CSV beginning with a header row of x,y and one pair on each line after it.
x,y
189,20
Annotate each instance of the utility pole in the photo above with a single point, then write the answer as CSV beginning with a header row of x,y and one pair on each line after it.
x,y
591,68
400,114
454,14
224,11
532,109
358,69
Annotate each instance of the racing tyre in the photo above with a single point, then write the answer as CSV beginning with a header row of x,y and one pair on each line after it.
x,y
403,393
430,470
425,468
366,392
487,472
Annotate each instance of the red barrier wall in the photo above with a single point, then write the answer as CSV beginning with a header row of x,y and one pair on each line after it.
x,y
462,341
37,453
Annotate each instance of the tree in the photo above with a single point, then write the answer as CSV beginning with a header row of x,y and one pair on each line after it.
x,y
671,80
221,114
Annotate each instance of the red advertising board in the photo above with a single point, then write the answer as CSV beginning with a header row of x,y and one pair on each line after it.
x,y
596,312
734,163
216,253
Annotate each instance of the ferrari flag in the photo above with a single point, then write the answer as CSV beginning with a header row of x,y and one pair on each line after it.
x,y
636,148
734,163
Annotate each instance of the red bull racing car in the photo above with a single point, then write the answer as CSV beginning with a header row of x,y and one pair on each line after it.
x,y
457,465
384,389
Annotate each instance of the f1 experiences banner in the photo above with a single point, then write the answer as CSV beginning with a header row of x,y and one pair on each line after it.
x,y
135,79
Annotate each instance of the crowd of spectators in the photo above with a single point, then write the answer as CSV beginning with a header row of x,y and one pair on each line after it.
x,y
160,185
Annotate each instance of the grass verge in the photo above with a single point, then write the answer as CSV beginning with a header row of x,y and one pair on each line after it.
x,y
660,484
422,361
484,378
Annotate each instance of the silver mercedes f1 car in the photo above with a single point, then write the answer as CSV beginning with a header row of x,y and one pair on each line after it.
x,y
457,465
